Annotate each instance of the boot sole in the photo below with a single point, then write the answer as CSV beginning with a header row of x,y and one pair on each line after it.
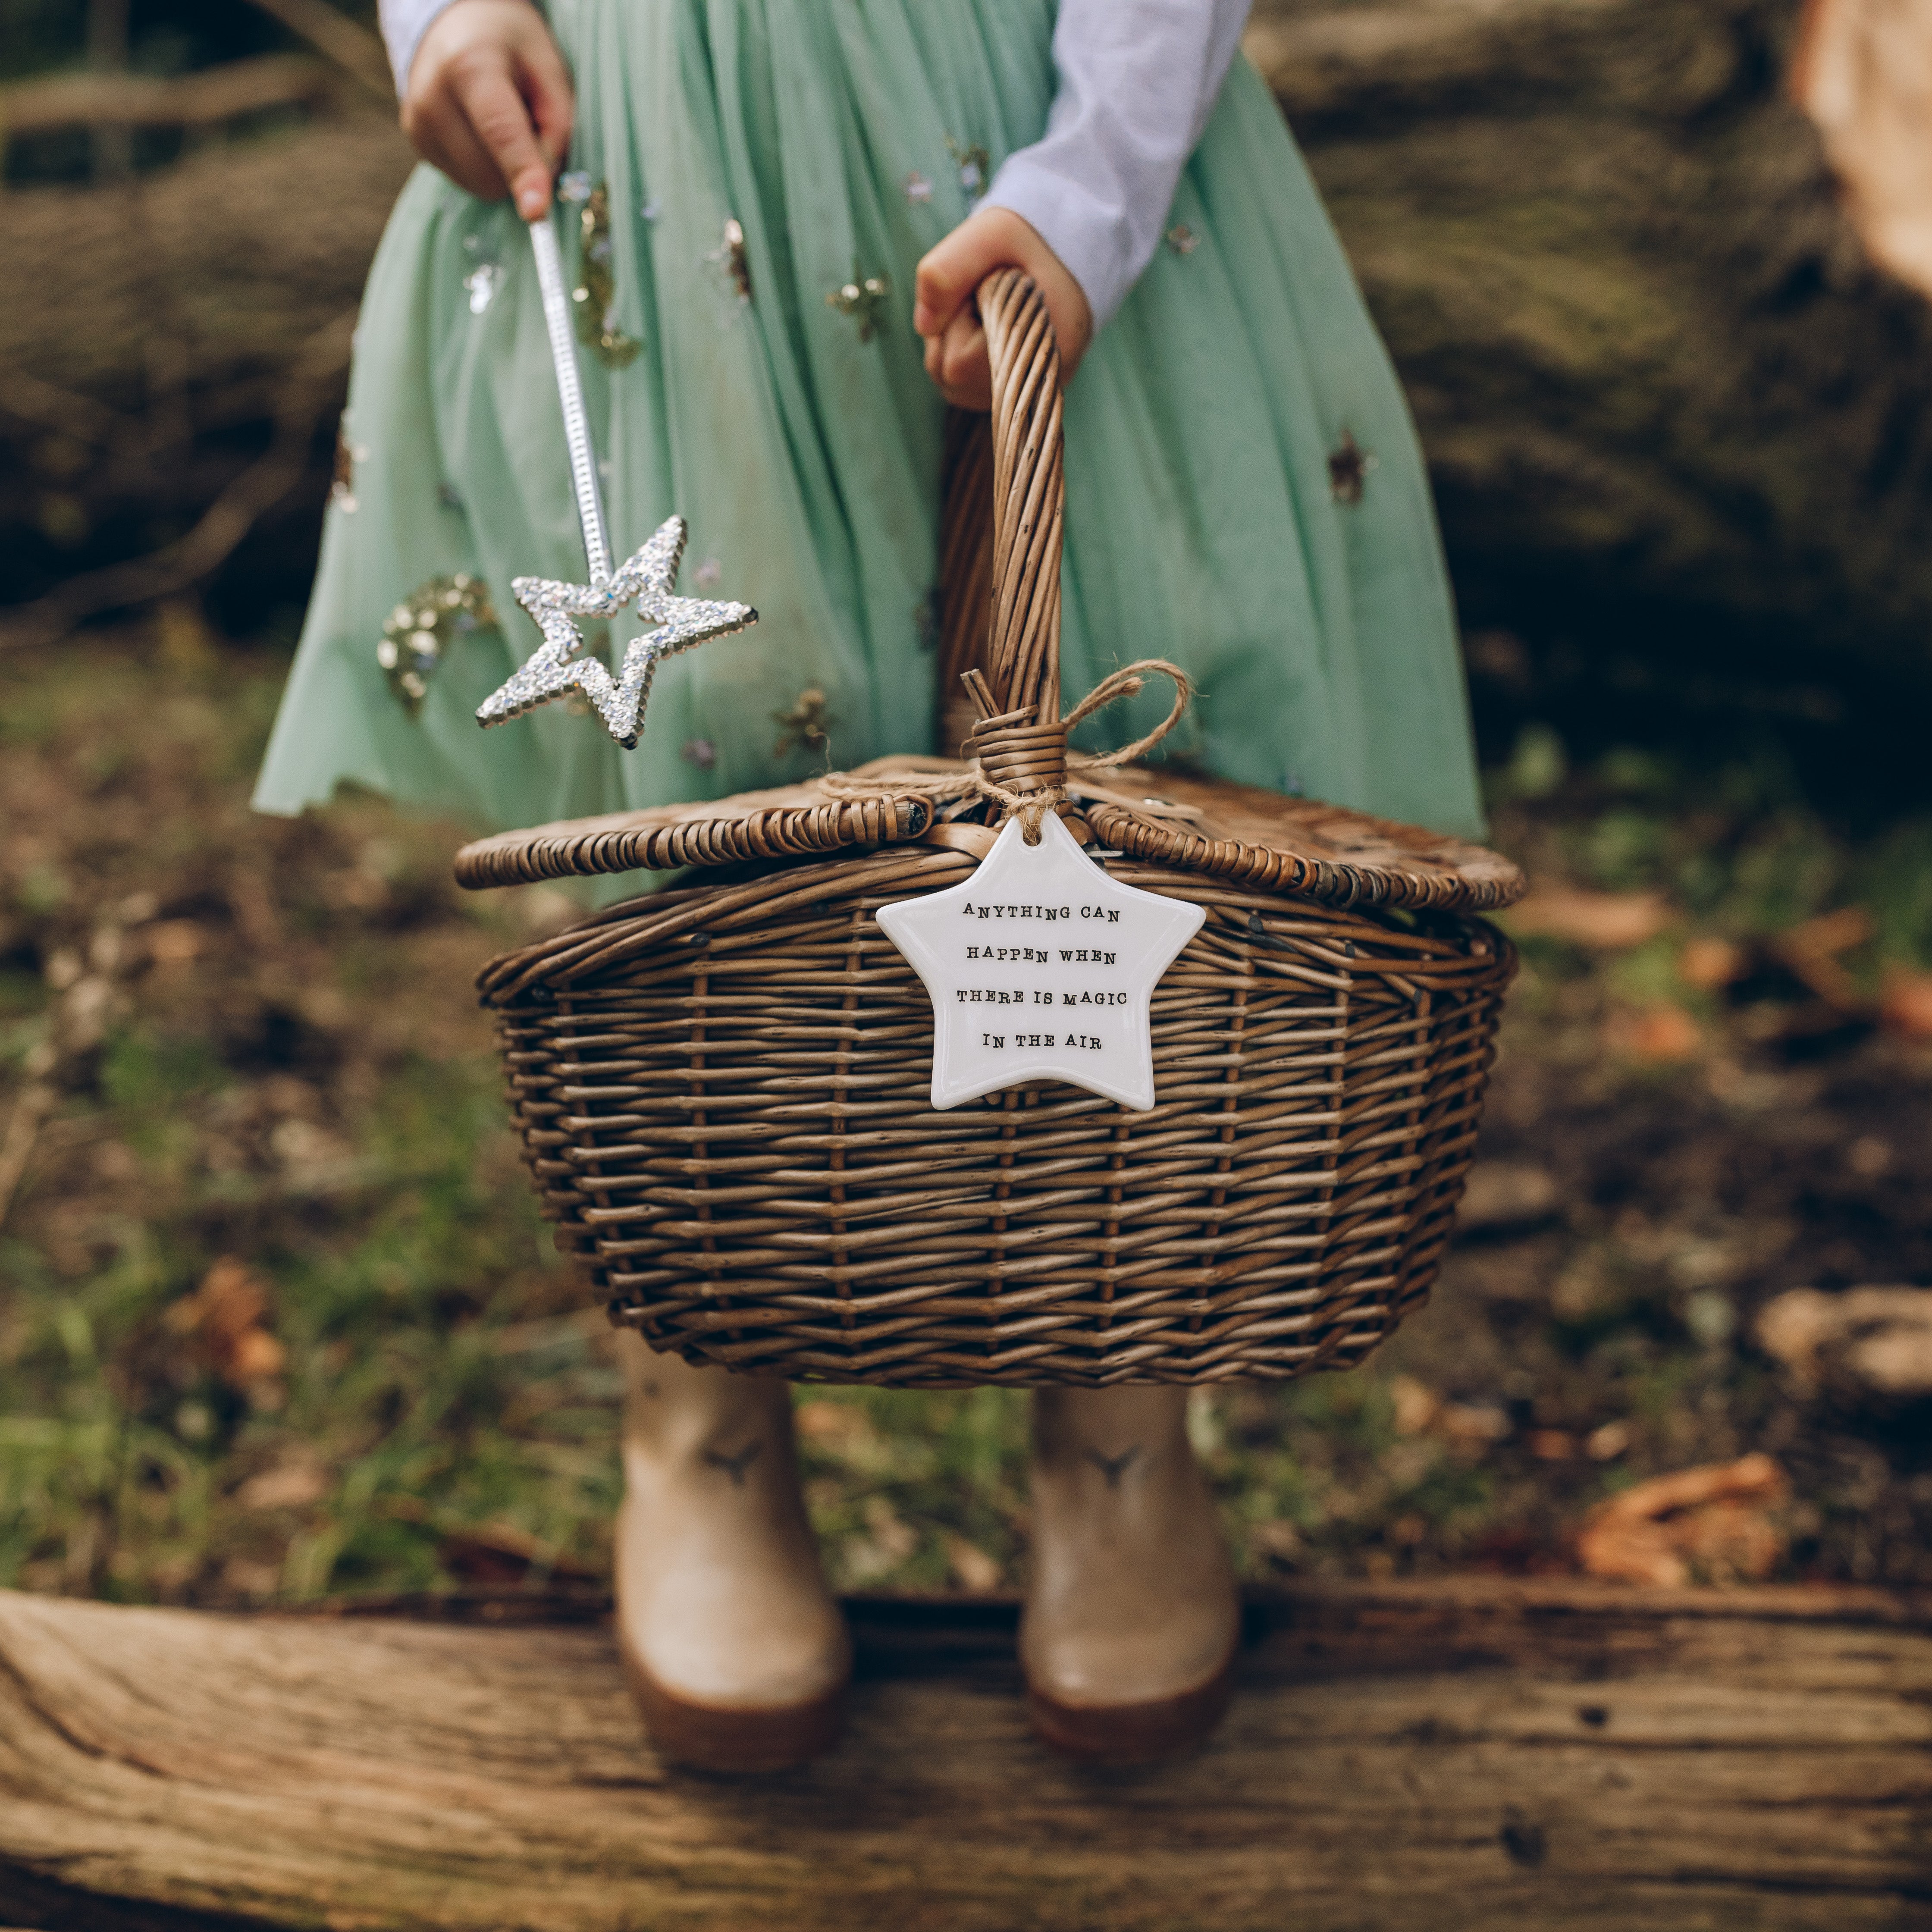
x,y
1142,1733
712,1737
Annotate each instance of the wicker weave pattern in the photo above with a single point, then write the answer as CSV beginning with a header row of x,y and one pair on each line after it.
x,y
725,1099
1029,494
780,824
1254,837
724,1089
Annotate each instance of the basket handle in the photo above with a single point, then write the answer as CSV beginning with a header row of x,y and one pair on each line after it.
x,y
1010,625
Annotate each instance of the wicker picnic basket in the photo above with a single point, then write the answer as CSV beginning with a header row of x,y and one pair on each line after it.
x,y
723,1088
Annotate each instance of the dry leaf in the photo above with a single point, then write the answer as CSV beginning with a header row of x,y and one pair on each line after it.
x,y
1832,932
1709,964
1791,1327
254,1356
1415,1405
1810,953
837,1427
1506,1194
890,1530
1280,1539
245,1578
304,1148
1866,1341
174,942
1472,1423
1603,922
1658,1033
224,1319
286,1486
1713,1520
1905,1006
973,1569
1890,1352
889,1540
1869,1156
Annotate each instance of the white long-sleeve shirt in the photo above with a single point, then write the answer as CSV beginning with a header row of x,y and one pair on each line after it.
x,y
1136,80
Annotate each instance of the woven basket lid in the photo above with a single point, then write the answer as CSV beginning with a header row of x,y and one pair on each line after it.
x,y
1239,833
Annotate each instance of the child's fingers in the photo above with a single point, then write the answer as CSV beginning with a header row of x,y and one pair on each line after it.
x,y
495,109
489,100
950,271
956,361
443,135
953,269
553,103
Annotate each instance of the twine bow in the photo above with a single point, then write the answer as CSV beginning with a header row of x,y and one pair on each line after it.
x,y
1031,805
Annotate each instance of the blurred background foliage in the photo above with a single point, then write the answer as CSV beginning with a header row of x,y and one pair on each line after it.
x,y
153,37
278,1319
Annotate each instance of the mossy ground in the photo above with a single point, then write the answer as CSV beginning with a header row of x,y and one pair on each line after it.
x,y
256,1043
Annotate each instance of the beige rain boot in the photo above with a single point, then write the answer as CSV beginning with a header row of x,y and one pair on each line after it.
x,y
732,1642
1132,1615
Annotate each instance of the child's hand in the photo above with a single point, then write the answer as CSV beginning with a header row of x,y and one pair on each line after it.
x,y
488,100
944,312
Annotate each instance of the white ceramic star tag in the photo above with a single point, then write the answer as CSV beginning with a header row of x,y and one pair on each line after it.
x,y
1041,967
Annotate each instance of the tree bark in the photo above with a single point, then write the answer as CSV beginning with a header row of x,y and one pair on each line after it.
x,y
1670,405
1673,409
155,336
1469,1752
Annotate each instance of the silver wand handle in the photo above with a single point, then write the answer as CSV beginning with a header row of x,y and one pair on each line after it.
x,y
570,393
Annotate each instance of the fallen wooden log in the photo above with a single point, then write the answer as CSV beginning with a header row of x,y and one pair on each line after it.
x,y
151,100
1673,411
1457,1754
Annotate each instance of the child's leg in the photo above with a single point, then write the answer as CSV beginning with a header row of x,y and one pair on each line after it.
x,y
1129,1635
733,1644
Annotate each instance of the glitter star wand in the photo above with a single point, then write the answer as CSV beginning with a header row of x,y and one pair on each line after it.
x,y
561,664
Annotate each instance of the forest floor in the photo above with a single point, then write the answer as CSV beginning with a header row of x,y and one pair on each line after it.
x,y
280,1322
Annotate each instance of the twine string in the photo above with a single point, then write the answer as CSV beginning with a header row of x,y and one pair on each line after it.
x,y
1030,806
1125,683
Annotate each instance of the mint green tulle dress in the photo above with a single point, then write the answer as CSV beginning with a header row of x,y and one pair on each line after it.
x,y
1245,493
